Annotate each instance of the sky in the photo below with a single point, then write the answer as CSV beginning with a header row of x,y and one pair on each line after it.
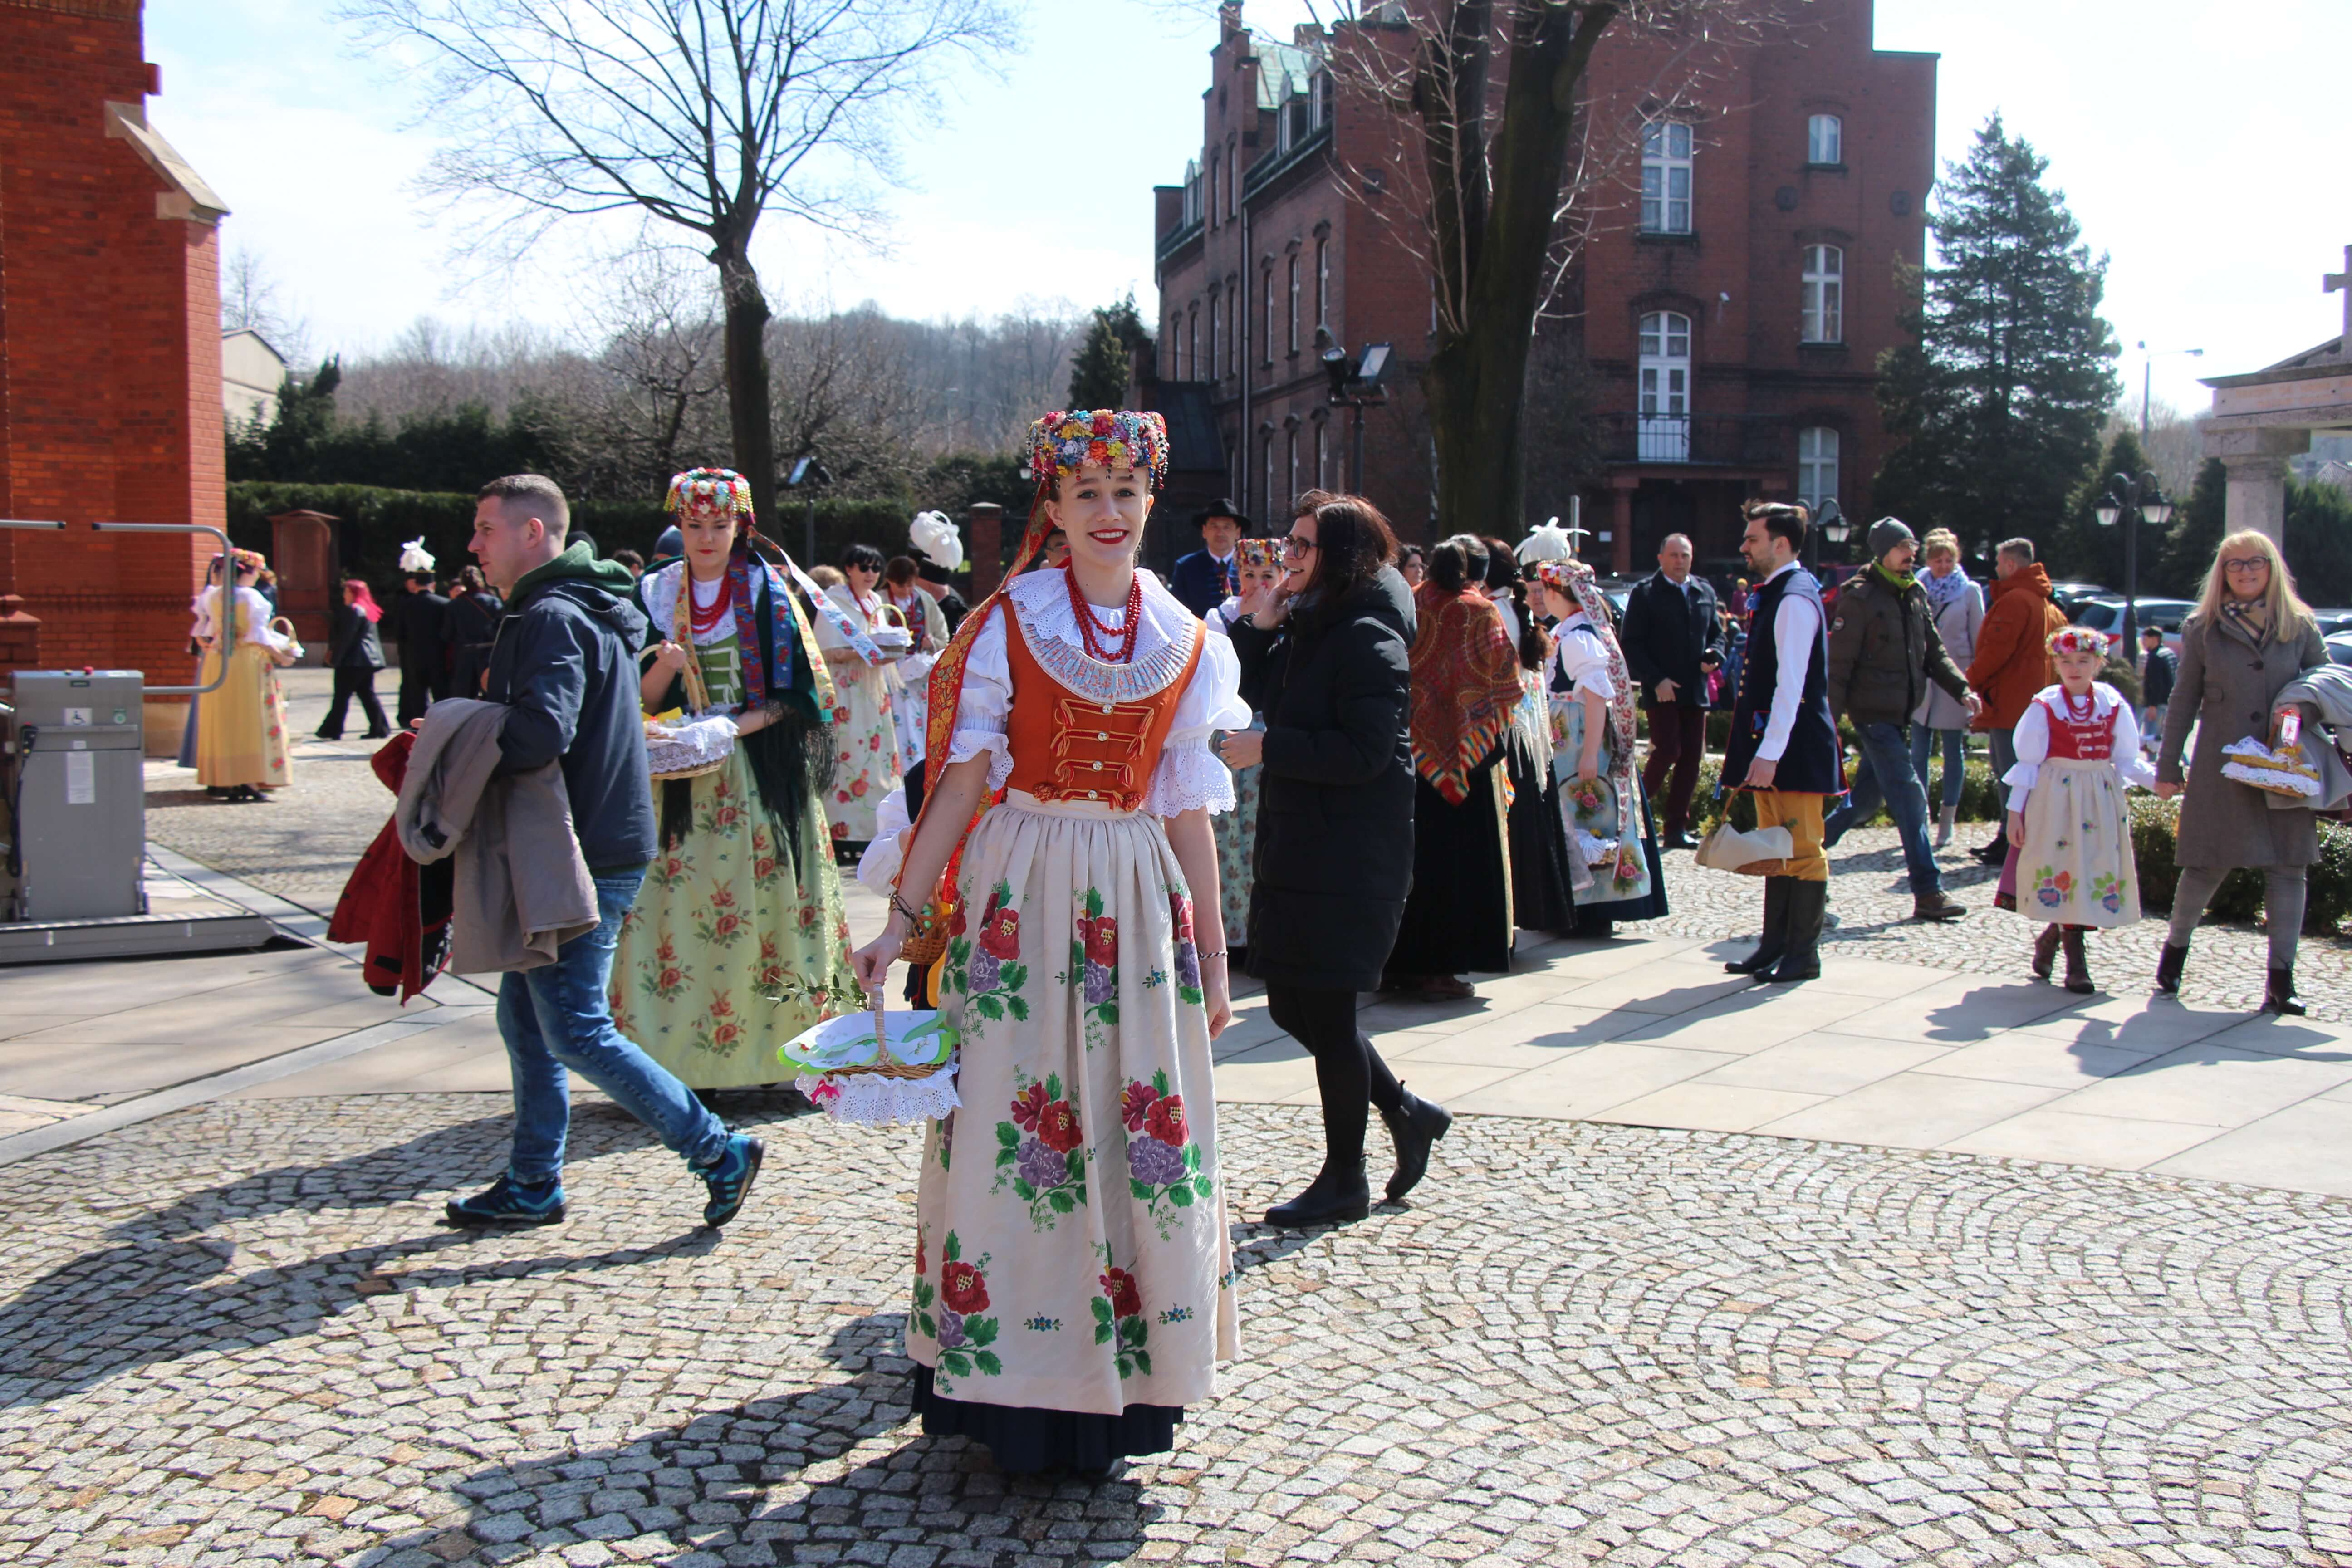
x,y
2190,148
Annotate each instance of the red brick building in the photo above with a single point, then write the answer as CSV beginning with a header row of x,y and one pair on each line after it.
x,y
110,346
1723,321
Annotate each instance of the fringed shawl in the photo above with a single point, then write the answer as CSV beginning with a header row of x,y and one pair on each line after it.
x,y
1465,685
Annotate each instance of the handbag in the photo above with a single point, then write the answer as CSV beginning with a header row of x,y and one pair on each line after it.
x,y
1758,854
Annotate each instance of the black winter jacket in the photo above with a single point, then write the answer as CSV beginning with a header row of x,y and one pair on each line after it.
x,y
353,643
1334,852
1667,631
565,659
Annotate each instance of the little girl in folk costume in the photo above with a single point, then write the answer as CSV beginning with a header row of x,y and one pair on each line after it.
x,y
2070,847
1073,1278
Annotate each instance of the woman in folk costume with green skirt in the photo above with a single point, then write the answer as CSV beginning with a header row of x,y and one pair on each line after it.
x,y
1073,1278
739,939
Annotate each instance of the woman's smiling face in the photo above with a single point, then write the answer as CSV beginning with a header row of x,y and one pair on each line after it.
x,y
1103,510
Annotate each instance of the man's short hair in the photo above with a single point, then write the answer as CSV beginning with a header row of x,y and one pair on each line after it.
x,y
2151,631
1782,521
535,493
420,579
2020,549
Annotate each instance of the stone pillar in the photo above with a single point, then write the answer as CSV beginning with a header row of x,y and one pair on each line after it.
x,y
987,548
2256,461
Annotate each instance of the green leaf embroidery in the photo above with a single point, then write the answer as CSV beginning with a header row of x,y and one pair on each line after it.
x,y
1142,1194
1203,1187
1109,1012
954,1250
1006,1156
1027,1193
1143,1362
1102,1309
1020,1006
1192,1156
1013,976
1181,1196
1159,1081
1062,1201
923,1297
995,1368
990,1006
931,1330
981,1330
1053,1086
1102,1333
1008,1135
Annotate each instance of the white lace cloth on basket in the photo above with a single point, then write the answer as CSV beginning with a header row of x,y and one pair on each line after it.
x,y
1190,774
871,1101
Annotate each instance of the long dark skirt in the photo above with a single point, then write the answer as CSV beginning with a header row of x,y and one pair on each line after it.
x,y
1458,917
1541,900
1022,1440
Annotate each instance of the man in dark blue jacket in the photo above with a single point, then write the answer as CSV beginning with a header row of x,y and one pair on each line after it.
x,y
565,661
1203,579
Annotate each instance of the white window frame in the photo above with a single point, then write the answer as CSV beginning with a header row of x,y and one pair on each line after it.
x,y
1825,138
1668,176
1817,465
1663,388
1322,282
1821,316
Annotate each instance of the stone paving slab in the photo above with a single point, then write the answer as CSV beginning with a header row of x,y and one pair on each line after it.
x,y
238,1335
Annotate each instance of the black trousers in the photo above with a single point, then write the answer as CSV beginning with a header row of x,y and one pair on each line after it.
x,y
419,690
352,681
1349,1073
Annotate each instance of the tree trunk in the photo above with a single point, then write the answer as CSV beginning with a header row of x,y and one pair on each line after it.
x,y
747,378
1476,382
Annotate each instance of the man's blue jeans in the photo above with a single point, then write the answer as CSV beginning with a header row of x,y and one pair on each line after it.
x,y
1955,758
1886,775
557,1017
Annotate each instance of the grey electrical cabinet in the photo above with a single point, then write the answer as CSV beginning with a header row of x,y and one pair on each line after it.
x,y
80,788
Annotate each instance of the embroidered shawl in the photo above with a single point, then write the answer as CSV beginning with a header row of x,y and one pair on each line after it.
x,y
1466,686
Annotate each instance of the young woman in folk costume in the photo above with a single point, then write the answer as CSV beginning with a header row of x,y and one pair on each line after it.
x,y
742,906
1595,789
866,743
241,747
1542,881
1255,564
2070,861
1073,1286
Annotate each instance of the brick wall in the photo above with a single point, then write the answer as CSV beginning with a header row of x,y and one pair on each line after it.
x,y
110,346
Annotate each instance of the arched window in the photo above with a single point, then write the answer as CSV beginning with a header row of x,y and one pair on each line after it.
x,y
1823,314
1322,470
1294,304
1666,177
1217,336
1322,282
1265,319
1216,174
1824,140
1817,465
1664,388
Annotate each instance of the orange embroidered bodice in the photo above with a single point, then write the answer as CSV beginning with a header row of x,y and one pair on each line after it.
x,y
1067,747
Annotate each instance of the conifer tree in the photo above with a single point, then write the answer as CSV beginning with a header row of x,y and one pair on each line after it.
x,y
2196,534
1099,373
2002,400
2083,550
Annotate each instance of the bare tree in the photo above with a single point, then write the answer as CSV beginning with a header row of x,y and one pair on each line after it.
x,y
705,114
253,300
1497,170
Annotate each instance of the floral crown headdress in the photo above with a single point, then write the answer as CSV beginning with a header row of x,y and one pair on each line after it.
x,y
709,491
1563,577
2079,639
1067,438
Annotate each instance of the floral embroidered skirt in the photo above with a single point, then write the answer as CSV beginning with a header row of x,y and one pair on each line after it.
x,y
866,755
241,727
1627,885
727,916
2076,866
1236,835
1071,1251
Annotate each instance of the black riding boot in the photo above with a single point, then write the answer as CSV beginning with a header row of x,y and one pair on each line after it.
x,y
1337,1194
2170,962
2279,995
1415,1126
1775,940
1808,902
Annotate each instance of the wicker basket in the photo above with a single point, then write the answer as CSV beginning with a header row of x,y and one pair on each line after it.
x,y
697,696
884,1065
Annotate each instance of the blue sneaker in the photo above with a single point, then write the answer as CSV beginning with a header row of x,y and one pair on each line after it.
x,y
730,1178
509,1202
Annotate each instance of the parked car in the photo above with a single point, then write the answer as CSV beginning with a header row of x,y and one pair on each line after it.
x,y
2333,621
2071,596
2107,616
2339,649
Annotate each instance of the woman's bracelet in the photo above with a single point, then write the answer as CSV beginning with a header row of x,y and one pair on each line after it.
x,y
899,906
1204,957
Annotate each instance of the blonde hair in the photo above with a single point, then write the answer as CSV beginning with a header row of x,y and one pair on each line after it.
x,y
1940,538
2283,609
827,577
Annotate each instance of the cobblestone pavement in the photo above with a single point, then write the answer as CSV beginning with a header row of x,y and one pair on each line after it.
x,y
240,1336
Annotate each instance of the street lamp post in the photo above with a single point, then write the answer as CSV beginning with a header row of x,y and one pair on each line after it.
x,y
1355,383
2132,500
2147,374
1829,522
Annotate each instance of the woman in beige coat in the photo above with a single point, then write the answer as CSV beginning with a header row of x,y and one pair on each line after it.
x,y
2249,637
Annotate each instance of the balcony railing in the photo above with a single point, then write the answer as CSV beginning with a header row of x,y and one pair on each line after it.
x,y
1743,440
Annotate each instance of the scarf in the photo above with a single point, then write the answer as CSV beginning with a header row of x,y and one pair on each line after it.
x,y
1465,686
1945,592
2251,617
1899,581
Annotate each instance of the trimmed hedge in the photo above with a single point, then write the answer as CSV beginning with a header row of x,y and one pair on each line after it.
x,y
376,522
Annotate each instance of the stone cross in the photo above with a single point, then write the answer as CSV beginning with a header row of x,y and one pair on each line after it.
x,y
2341,283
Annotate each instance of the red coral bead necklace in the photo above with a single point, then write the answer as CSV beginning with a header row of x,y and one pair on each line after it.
x,y
706,622
1106,645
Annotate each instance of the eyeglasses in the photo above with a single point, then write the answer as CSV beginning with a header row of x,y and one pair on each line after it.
x,y
2246,567
1294,545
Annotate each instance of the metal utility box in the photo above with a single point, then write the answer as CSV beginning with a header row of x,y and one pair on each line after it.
x,y
79,785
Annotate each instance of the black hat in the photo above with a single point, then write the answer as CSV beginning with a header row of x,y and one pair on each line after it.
x,y
1222,507
930,571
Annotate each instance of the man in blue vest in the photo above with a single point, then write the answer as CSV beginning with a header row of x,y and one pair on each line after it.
x,y
1783,748
1207,577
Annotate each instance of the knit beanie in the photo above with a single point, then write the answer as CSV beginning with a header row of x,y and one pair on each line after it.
x,y
1886,533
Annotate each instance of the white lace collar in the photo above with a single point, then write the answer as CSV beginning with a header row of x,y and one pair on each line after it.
x,y
1049,629
657,589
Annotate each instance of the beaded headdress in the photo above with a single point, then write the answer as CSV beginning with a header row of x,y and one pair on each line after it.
x,y
1563,577
1065,439
707,492
2079,639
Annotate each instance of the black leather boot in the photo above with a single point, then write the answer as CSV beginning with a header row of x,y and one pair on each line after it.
x,y
2279,995
1775,940
1415,1126
1333,1197
2170,962
2045,952
2078,961
1808,902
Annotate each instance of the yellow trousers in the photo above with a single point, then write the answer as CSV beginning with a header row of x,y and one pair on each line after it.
x,y
1802,816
